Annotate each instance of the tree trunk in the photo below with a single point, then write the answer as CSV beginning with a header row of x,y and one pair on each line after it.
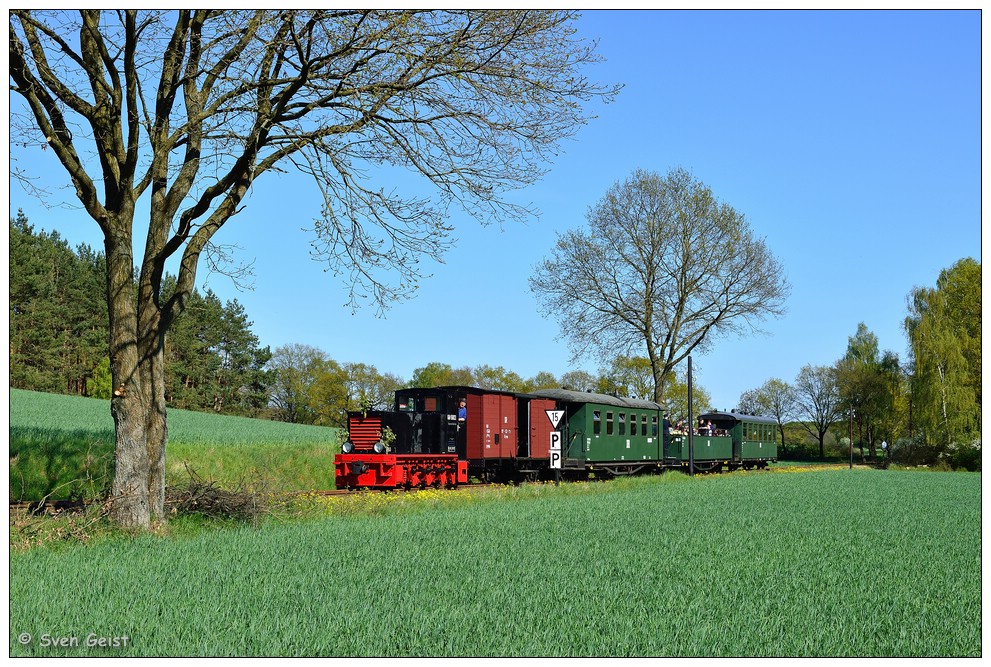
x,y
137,366
129,505
156,427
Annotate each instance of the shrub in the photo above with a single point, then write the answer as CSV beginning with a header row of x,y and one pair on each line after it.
x,y
964,456
914,452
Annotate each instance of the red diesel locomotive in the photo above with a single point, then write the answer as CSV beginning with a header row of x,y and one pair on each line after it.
x,y
439,436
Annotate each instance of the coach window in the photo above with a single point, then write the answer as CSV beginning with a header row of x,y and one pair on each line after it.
x,y
596,422
643,424
633,424
653,425
622,423
608,423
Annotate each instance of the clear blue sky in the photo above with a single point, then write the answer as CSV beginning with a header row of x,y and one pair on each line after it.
x,y
849,139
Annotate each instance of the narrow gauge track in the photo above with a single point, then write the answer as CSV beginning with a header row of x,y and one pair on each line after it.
x,y
399,489
59,506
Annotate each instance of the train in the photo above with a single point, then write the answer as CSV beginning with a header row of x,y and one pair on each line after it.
x,y
458,435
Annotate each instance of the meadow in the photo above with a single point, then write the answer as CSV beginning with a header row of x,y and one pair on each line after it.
x,y
805,563
63,446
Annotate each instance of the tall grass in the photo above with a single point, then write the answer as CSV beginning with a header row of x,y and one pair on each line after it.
x,y
63,445
833,563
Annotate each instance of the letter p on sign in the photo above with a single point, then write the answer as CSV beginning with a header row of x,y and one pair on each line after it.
x,y
555,447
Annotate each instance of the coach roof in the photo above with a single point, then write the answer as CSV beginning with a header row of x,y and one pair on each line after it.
x,y
569,396
736,416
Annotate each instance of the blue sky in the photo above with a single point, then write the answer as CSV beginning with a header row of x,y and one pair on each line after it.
x,y
849,139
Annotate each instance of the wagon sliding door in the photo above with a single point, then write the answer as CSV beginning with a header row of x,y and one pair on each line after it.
x,y
492,426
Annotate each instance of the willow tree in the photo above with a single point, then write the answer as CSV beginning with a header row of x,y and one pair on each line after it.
x,y
663,269
944,334
191,109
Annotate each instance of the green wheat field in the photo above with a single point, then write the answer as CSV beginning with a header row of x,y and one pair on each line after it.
x,y
788,562
63,446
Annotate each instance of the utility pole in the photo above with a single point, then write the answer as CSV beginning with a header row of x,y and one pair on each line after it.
x,y
852,411
691,423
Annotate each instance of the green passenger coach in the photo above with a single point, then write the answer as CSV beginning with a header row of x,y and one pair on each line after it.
x,y
608,434
729,439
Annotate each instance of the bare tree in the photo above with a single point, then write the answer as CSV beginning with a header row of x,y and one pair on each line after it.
x,y
191,108
663,268
817,401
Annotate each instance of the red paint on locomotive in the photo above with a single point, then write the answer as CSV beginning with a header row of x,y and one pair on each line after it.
x,y
366,468
392,471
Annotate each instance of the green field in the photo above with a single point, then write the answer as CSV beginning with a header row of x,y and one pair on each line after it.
x,y
826,563
62,445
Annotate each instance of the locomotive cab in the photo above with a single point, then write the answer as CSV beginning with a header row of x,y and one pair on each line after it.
x,y
434,420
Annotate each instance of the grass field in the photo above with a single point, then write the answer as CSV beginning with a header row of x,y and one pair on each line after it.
x,y
807,563
64,445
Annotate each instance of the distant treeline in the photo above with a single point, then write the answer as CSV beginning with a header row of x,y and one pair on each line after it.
x,y
926,408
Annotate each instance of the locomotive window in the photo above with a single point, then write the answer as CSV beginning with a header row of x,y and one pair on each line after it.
x,y
430,404
407,405
596,422
622,423
608,423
